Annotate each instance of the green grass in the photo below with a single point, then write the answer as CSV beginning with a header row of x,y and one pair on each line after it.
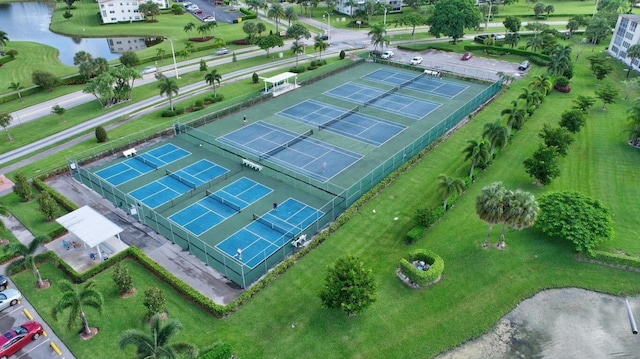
x,y
29,214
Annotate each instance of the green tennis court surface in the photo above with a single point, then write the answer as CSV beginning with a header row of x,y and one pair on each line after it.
x,y
420,82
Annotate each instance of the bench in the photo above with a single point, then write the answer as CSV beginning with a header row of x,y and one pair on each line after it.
x,y
299,241
130,152
252,165
434,73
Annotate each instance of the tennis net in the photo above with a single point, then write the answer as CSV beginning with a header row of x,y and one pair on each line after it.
x,y
407,83
275,227
181,179
338,118
146,161
226,202
369,102
287,144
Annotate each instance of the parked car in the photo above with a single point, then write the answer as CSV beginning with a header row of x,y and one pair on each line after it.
x,y
524,65
466,56
210,18
498,37
149,70
199,12
220,3
193,8
18,337
324,37
221,51
387,55
4,283
187,4
416,60
9,298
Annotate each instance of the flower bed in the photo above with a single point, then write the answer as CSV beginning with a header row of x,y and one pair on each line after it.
x,y
421,268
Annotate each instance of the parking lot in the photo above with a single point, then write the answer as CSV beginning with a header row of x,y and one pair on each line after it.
x,y
216,8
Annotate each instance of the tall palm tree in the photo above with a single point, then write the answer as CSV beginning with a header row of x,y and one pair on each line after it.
x,y
515,116
320,45
4,38
155,344
290,14
351,4
169,87
27,253
297,48
490,206
378,35
5,121
189,27
160,52
75,298
531,98
15,86
560,60
521,211
534,43
477,152
211,78
541,83
497,135
276,12
512,39
450,186
633,126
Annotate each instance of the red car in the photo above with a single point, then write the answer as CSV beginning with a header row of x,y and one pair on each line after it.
x,y
467,56
18,337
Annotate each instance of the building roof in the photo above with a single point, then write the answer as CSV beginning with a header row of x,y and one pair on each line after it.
x,y
279,77
89,226
633,17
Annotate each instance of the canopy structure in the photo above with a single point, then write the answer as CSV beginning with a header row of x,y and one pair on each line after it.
x,y
280,84
90,227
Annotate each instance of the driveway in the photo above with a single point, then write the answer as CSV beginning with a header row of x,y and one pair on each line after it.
x,y
222,13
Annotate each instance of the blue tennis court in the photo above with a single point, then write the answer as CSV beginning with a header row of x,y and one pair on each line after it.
x,y
160,191
349,123
162,155
198,173
384,100
298,152
220,205
422,82
264,236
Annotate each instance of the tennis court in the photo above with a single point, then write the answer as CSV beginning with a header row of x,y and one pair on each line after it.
x,y
220,205
387,100
124,171
266,234
348,123
162,155
420,82
198,173
299,152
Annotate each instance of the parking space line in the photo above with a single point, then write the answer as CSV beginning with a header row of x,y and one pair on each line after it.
x,y
36,347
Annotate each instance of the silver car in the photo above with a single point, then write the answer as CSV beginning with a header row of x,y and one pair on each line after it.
x,y
8,298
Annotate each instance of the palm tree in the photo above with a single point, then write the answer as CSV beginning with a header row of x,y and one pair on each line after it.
x,y
521,211
74,299
160,52
297,48
633,126
189,27
496,134
320,45
276,12
512,39
515,116
4,38
15,86
211,78
290,14
531,98
450,186
351,4
490,206
169,87
534,43
27,253
155,344
632,53
378,35
5,121
541,83
560,60
477,152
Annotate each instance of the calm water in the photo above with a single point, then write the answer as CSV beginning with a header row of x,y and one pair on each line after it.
x,y
29,21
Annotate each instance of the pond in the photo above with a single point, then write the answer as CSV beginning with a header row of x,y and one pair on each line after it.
x,y
29,21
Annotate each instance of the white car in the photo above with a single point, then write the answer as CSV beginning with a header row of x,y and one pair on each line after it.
x,y
210,18
187,4
387,55
193,8
9,298
416,60
149,70
222,51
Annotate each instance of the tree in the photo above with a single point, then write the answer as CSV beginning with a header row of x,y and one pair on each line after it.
x,y
378,35
412,20
69,3
4,38
76,299
450,186
260,28
351,4
297,48
575,217
538,9
490,206
22,187
58,110
348,286
155,300
572,120
515,116
129,58
27,257
48,206
543,165
169,87
496,134
607,94
512,39
249,28
255,78
276,12
160,52
149,9
44,79
534,43
320,45
290,14
597,29
211,78
556,137
450,18
633,124
512,23
122,279
520,212
560,60
542,84
572,26
101,134
298,31
203,65
268,42
633,53
583,103
5,122
15,86
549,9
155,344
630,85
478,153
190,26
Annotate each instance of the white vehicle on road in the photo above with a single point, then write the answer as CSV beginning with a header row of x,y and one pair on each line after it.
x,y
416,60
387,55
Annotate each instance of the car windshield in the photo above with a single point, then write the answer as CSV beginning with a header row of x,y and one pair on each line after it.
x,y
20,330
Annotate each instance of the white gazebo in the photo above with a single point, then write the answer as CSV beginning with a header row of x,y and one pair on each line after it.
x,y
280,84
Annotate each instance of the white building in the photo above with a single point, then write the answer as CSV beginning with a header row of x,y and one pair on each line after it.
x,y
119,45
114,11
625,34
343,6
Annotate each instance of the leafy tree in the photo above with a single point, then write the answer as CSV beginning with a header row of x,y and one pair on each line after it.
x,y
22,187
557,137
320,45
348,286
5,122
538,9
44,79
478,153
607,94
27,257
203,65
69,3
149,9
58,110
572,120
597,29
123,78
67,15
549,9
268,42
249,28
490,206
575,217
290,14
583,103
129,58
169,87
450,186
122,279
450,18
76,299
48,206
572,26
260,28
496,134
155,344
520,212
342,54
211,78
412,20
101,134
155,300
255,78
633,53
15,86
298,31
512,23
543,165
276,12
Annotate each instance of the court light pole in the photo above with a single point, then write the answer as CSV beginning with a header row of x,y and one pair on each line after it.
x,y
384,21
173,53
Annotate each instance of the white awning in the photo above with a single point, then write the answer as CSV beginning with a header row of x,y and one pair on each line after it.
x,y
89,226
280,77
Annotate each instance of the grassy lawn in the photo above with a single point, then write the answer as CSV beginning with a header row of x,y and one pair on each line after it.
x,y
29,214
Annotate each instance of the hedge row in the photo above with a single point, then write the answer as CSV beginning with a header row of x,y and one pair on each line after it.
x,y
248,14
418,276
536,58
5,59
616,259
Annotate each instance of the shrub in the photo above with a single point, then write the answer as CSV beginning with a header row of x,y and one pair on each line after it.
x,y
342,54
168,113
425,217
12,53
418,276
255,78
217,351
101,134
562,81
297,70
122,278
22,187
155,300
199,103
414,234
